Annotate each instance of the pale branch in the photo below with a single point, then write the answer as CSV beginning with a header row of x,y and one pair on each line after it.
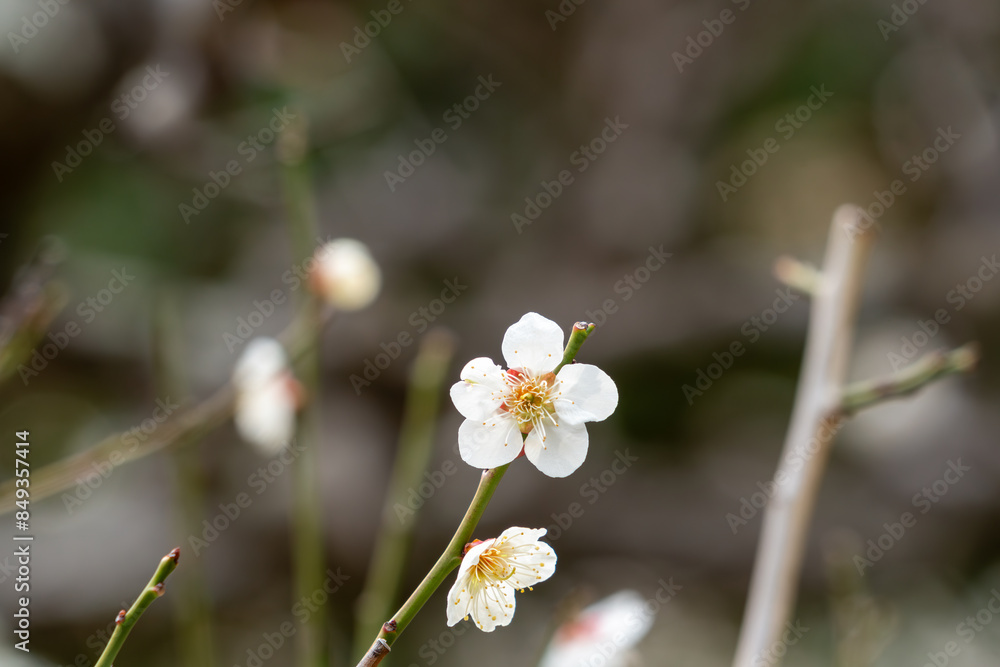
x,y
774,582
798,275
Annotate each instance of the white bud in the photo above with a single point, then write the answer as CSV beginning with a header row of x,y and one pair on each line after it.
x,y
346,274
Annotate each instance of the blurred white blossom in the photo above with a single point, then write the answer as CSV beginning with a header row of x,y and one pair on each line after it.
x,y
267,396
346,275
603,633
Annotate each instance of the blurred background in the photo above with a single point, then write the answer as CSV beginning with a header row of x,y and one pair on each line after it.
x,y
528,156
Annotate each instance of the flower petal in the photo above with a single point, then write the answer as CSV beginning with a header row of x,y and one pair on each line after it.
x,y
585,394
534,343
459,599
534,561
461,593
481,390
493,606
563,450
489,443
516,535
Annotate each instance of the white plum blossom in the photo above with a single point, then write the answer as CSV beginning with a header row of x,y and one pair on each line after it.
x,y
609,628
267,396
345,274
493,570
550,409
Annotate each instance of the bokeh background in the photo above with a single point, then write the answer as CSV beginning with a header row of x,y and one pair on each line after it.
x,y
562,74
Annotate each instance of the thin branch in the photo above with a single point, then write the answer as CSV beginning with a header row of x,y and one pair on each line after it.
x,y
862,395
774,583
308,549
375,654
127,619
448,561
185,426
797,275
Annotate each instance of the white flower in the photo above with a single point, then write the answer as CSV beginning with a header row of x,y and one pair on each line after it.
x,y
500,406
267,396
608,628
492,570
345,274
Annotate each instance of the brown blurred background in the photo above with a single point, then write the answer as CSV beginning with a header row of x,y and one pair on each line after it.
x,y
200,79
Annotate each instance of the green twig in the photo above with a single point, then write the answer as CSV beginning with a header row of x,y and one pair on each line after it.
x,y
577,337
307,520
416,443
127,619
449,560
452,555
937,364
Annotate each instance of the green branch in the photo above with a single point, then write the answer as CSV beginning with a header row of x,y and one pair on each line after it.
x,y
127,619
452,555
449,560
577,337
937,364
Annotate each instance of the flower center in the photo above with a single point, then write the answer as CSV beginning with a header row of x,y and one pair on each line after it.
x,y
493,567
529,399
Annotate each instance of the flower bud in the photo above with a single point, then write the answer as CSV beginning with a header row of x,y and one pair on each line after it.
x,y
346,275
